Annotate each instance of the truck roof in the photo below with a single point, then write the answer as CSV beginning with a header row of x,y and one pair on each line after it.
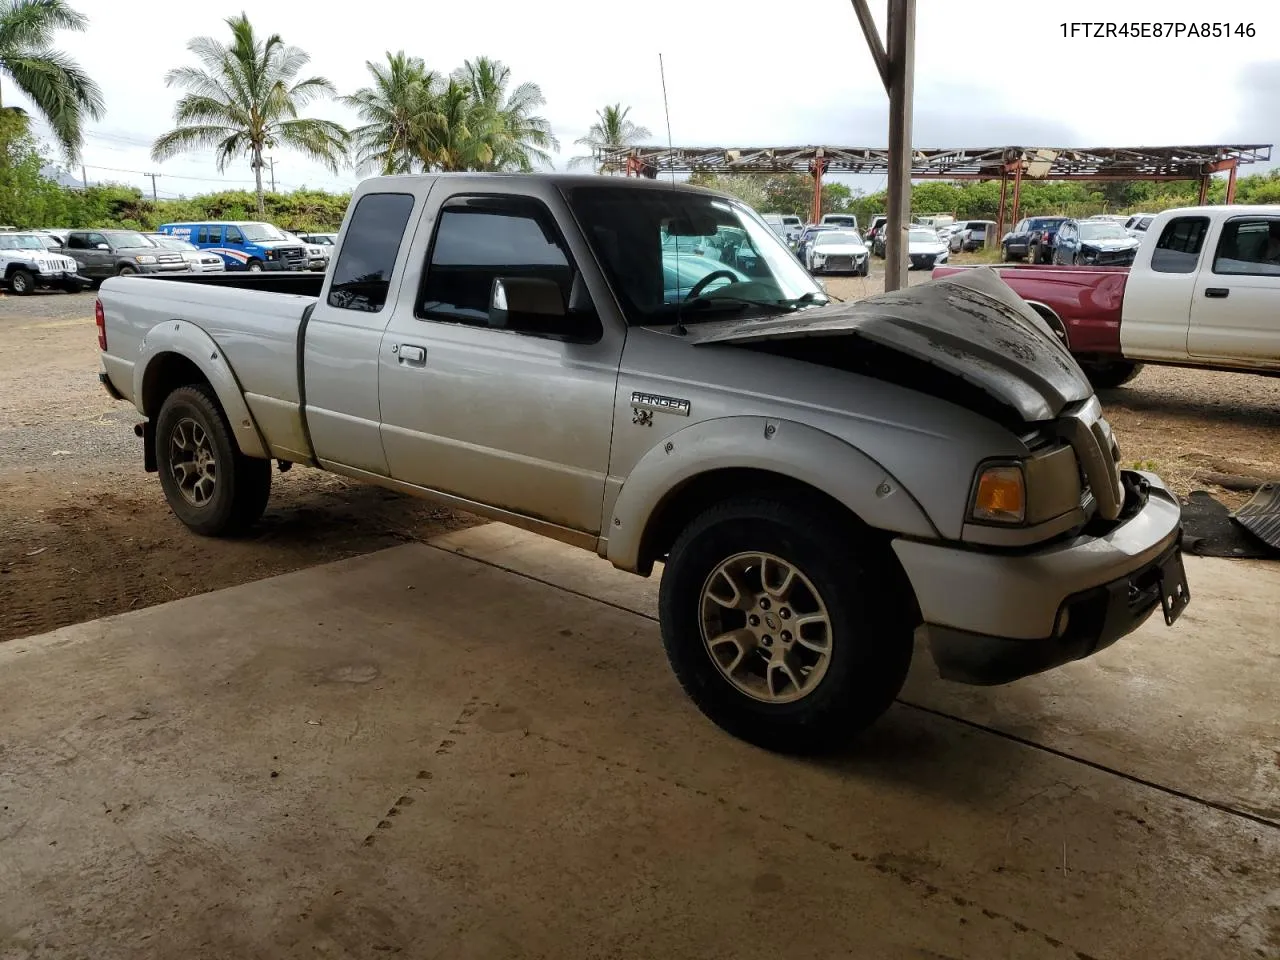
x,y
564,180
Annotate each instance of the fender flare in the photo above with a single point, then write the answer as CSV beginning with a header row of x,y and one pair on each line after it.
x,y
785,447
194,344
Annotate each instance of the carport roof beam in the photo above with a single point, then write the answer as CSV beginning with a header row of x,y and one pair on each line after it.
x,y
959,163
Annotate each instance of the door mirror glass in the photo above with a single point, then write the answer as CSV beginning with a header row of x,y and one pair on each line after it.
x,y
524,303
102,246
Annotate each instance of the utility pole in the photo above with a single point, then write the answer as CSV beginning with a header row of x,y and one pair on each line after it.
x,y
272,161
153,176
896,67
84,178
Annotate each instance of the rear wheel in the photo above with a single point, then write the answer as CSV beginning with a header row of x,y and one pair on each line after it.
x,y
21,283
211,486
1033,253
781,624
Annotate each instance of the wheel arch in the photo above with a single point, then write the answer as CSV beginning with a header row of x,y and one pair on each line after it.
x,y
1050,316
715,458
177,353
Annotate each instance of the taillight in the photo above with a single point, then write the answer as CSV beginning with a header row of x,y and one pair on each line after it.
x,y
1045,238
100,318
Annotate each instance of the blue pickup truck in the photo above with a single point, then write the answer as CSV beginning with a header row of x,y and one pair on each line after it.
x,y
243,244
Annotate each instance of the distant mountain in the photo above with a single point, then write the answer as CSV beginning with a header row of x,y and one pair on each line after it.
x,y
60,176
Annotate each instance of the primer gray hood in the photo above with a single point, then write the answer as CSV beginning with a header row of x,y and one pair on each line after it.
x,y
970,324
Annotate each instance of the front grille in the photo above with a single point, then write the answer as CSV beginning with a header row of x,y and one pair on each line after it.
x,y
922,259
170,258
1090,436
291,256
840,263
1121,257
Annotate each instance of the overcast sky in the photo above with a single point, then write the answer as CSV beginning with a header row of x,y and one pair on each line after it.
x,y
750,73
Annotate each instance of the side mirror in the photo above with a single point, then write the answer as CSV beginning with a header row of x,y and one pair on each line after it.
x,y
524,303
102,246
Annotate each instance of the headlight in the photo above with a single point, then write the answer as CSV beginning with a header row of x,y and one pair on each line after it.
x,y
1000,495
144,258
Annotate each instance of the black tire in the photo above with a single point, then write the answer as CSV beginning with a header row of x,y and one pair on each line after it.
x,y
241,484
254,266
126,271
1109,374
1004,253
865,269
22,283
870,641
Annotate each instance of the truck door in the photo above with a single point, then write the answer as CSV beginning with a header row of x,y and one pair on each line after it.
x,y
1159,291
511,411
343,335
1235,312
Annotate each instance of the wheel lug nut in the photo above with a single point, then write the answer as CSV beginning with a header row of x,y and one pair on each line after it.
x,y
753,620
767,640
764,603
786,636
785,613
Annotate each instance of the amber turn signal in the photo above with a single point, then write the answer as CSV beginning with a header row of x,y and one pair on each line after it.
x,y
1001,496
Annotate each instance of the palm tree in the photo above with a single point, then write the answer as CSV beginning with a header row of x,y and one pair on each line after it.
x,y
516,137
246,101
54,83
398,111
611,131
457,133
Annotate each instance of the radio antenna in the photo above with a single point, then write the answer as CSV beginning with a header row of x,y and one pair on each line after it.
x,y
679,327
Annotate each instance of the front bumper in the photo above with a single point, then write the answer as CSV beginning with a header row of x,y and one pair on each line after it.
x,y
153,268
992,617
64,280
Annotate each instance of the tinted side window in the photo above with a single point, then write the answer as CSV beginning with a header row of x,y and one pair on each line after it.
x,y
1249,246
76,241
362,275
234,235
479,239
203,235
1178,250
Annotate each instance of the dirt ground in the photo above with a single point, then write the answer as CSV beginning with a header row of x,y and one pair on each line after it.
x,y
84,532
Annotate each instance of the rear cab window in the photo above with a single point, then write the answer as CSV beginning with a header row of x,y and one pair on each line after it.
x,y
1249,246
1178,249
362,274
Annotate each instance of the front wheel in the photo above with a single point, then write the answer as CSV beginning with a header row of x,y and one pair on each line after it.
x,y
255,266
782,625
211,486
126,271
21,283
1109,374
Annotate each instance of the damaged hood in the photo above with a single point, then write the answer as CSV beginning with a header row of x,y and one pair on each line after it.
x,y
971,325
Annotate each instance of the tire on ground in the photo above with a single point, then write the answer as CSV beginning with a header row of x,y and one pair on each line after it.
x,y
1109,374
21,283
241,484
872,619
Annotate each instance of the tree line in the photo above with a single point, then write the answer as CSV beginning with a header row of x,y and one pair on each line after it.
x,y
248,92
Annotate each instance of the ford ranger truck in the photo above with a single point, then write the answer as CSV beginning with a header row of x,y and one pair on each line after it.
x,y
644,370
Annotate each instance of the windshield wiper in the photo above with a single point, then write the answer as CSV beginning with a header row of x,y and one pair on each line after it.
x,y
804,300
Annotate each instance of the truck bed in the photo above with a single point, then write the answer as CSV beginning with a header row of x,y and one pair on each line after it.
x,y
251,321
1084,301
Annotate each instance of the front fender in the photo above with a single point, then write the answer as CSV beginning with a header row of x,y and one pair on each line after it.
x,y
194,344
784,447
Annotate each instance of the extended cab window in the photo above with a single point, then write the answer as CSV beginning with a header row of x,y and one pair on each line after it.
x,y
481,239
1249,246
362,275
1178,250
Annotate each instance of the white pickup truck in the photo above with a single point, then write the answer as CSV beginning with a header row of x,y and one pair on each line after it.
x,y
644,370
1203,291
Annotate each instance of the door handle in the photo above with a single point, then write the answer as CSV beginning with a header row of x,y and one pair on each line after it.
x,y
1217,293
413,356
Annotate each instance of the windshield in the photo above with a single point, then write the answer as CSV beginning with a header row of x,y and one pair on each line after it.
x,y
171,243
674,255
923,236
261,231
833,237
20,241
126,238
1102,230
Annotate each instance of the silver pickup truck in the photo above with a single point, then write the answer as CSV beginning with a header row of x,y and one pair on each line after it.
x,y
644,370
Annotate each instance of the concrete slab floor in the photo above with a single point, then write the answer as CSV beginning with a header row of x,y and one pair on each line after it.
x,y
416,753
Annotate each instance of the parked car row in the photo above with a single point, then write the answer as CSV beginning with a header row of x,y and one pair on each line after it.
x,y
1101,240
56,258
